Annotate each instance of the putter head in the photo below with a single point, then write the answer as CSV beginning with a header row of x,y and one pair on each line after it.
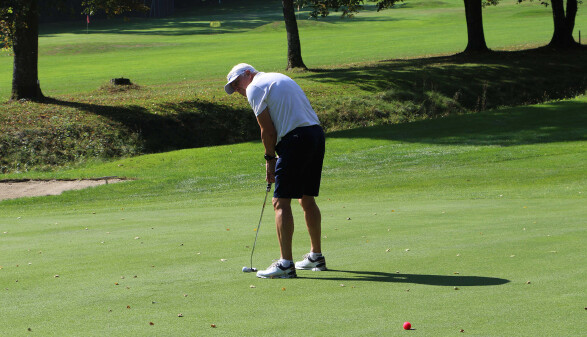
x,y
249,270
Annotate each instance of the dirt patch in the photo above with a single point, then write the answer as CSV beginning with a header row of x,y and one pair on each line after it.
x,y
12,189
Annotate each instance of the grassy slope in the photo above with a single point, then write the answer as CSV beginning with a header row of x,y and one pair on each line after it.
x,y
186,48
108,123
483,202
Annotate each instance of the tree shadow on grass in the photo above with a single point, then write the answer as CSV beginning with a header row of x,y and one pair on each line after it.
x,y
476,81
175,126
433,280
238,17
553,122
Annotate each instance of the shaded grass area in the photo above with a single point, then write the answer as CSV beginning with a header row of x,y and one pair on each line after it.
x,y
468,82
560,121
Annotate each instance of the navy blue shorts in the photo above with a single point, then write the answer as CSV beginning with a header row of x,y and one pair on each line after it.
x,y
299,166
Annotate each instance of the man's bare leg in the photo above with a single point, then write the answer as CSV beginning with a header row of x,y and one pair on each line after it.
x,y
284,224
313,219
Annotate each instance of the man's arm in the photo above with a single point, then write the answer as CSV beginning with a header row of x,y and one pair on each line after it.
x,y
269,138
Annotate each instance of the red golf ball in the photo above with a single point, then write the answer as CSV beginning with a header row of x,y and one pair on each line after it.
x,y
407,325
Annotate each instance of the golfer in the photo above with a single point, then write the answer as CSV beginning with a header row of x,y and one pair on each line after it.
x,y
289,128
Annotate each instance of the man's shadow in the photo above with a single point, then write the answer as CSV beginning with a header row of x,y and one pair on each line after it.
x,y
434,280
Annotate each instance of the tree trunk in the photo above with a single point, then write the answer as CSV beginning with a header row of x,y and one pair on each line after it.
x,y
571,14
476,37
25,77
294,49
563,24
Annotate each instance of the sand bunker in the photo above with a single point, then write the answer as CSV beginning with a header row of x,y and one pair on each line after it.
x,y
12,189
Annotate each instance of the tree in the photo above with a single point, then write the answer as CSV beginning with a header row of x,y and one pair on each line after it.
x,y
19,24
294,49
564,23
474,18
347,7
113,7
161,8
475,33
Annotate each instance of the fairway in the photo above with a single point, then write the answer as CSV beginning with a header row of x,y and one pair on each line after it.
x,y
473,222
186,48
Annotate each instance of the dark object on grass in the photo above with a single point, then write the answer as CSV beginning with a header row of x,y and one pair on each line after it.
x,y
120,81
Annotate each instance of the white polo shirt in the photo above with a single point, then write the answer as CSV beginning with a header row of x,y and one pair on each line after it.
x,y
288,105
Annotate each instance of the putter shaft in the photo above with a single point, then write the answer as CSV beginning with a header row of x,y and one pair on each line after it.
x,y
259,225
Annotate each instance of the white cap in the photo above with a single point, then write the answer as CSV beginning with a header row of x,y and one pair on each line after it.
x,y
234,73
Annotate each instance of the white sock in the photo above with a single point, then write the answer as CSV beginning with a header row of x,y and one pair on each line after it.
x,y
314,256
285,263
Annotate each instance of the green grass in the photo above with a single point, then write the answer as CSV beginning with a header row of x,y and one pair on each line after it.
x,y
111,123
185,47
490,203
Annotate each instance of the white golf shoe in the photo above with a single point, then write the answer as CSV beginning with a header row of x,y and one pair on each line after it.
x,y
317,264
276,270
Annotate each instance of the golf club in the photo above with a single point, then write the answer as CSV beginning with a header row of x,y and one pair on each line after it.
x,y
251,269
